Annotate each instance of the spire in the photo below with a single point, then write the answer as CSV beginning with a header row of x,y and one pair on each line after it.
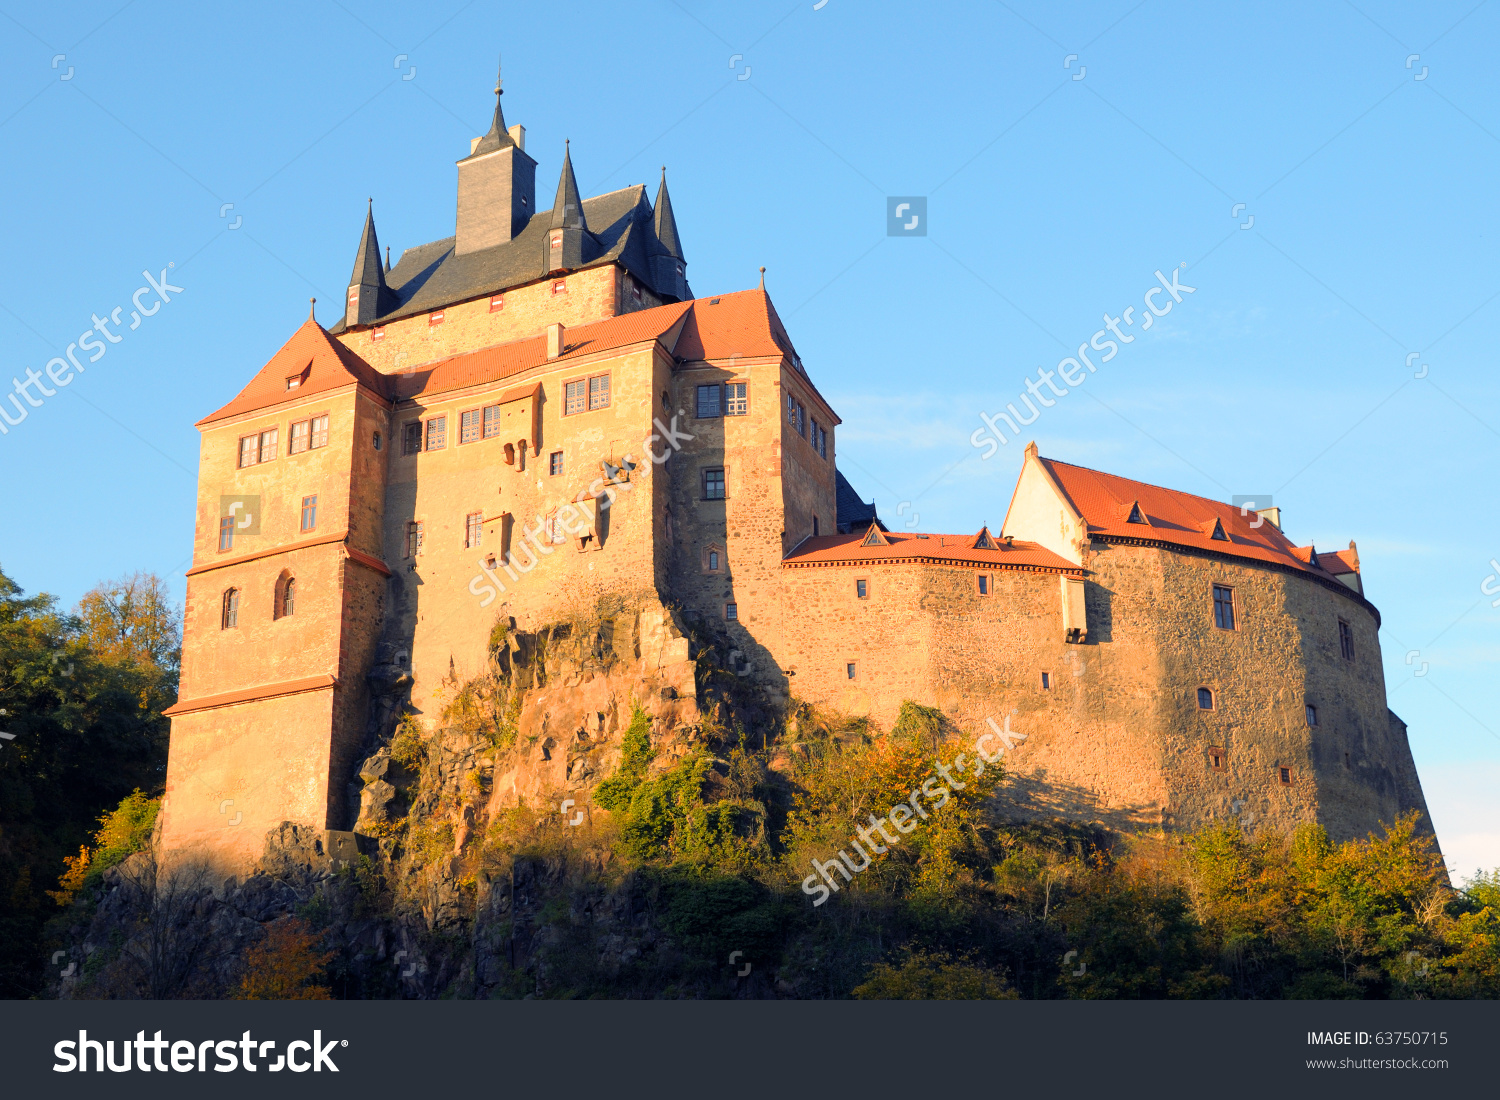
x,y
498,137
367,270
387,259
567,208
668,267
666,224
312,315
369,296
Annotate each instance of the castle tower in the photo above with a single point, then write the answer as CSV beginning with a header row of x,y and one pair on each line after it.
x,y
369,296
496,187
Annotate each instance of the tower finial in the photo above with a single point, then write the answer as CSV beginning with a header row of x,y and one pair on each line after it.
x,y
312,308
763,277
499,70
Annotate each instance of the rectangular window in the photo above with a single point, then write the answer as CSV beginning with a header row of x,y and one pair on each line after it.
x,y
309,513
319,432
491,421
1312,715
708,400
298,437
249,451
1046,681
1205,699
801,421
411,438
1346,641
377,333
226,533
413,539
736,399
599,391
434,318
731,612
294,382
437,433
791,410
1285,775
861,589
473,529
1216,758
1223,607
230,616
555,463
984,584
815,526
468,426
713,484
575,397
849,670
822,443
560,287
268,442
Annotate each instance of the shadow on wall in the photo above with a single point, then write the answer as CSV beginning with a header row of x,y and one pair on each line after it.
x,y
1034,797
1099,606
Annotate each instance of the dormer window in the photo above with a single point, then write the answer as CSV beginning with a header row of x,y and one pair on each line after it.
x,y
294,382
1136,515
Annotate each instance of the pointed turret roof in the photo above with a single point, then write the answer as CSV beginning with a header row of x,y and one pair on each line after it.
x,y
567,208
666,224
367,269
498,137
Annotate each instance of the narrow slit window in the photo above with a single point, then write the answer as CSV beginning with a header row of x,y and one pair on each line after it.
x,y
850,669
1346,640
1046,681
230,613
289,596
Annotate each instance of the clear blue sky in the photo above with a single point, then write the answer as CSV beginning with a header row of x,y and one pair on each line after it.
x,y
1370,181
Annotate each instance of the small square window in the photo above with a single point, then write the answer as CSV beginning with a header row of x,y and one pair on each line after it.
x,y
1312,715
1285,775
226,533
1223,607
1046,681
862,589
437,433
708,400
491,421
736,399
984,584
849,670
731,612
1205,699
713,484
309,513
1346,637
294,382
497,302
555,463
411,438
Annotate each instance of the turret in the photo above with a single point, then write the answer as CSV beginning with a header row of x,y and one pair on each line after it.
x,y
570,245
369,296
496,187
668,267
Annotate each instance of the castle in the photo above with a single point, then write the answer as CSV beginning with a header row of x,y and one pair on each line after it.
x,y
537,411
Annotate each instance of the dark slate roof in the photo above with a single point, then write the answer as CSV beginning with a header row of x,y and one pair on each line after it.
x,y
854,515
567,207
497,138
666,224
431,276
367,269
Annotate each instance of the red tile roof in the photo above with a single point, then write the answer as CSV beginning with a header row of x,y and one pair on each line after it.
x,y
929,549
1180,519
328,365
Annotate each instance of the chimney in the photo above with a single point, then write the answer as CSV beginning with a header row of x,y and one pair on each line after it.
x,y
555,344
1271,516
518,135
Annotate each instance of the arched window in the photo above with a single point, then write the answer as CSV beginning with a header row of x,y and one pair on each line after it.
x,y
231,611
286,596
